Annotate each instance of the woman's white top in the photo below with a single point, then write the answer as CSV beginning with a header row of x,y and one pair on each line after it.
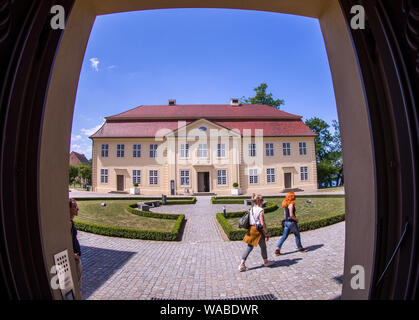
x,y
254,215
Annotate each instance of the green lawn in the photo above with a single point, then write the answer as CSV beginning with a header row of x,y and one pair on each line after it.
x,y
114,214
317,209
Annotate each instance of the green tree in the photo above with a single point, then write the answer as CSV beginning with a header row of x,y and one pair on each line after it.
x,y
85,172
261,97
73,171
335,155
323,139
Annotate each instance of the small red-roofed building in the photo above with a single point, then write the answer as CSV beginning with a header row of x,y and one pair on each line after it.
x,y
192,149
77,159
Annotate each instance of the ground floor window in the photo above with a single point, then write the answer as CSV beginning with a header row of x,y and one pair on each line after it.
x,y
153,177
304,173
253,176
104,175
222,177
184,177
270,175
136,176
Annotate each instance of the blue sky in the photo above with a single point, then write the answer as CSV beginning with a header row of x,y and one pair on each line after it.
x,y
200,56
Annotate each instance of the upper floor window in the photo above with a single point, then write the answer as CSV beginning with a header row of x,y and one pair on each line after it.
x,y
184,177
105,150
252,149
221,150
270,175
153,177
222,177
303,147
136,176
286,149
136,151
104,175
184,150
253,176
203,150
269,149
153,150
120,150
304,173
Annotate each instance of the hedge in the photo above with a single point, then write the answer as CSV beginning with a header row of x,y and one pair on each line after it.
x,y
172,200
270,206
277,231
239,199
172,235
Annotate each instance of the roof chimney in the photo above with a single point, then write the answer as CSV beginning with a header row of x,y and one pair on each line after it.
x,y
234,102
172,102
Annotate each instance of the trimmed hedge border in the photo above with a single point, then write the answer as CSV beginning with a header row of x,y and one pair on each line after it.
x,y
172,235
270,206
171,200
239,199
235,235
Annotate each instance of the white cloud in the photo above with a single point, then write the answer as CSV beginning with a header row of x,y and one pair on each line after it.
x,y
76,138
83,149
89,132
111,67
95,63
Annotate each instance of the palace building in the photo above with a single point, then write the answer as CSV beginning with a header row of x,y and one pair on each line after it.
x,y
191,149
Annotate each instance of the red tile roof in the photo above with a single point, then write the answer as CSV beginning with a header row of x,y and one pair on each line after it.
x,y
207,111
150,121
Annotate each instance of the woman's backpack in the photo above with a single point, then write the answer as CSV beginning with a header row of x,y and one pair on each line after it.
x,y
244,222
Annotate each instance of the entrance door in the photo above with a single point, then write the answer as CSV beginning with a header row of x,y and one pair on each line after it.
x,y
287,179
203,182
120,182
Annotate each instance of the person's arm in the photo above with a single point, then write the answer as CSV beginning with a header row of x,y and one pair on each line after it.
x,y
291,210
262,221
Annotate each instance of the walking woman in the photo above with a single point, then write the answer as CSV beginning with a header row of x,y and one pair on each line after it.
x,y
74,209
257,233
290,224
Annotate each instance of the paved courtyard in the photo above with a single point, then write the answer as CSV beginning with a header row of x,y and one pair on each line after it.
x,y
204,264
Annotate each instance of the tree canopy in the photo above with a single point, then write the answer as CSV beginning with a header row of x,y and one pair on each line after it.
x,y
261,97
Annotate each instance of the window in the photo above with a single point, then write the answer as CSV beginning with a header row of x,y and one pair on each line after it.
x,y
120,149
104,175
269,149
302,147
136,176
252,149
286,149
221,150
153,177
203,150
222,177
270,175
304,173
253,176
153,150
184,177
105,150
136,151
184,150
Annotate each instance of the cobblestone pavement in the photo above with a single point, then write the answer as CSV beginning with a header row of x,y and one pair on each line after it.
x,y
204,265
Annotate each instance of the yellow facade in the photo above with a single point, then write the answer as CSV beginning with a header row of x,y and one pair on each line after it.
x,y
203,167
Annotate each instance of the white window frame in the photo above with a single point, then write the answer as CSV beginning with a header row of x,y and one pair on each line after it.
x,y
253,176
184,178
120,150
203,150
221,150
269,147
103,175
286,148
153,150
153,177
252,149
304,173
222,177
303,148
136,176
136,151
184,150
105,150
270,175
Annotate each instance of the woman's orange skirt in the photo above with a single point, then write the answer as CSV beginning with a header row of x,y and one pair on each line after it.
x,y
252,236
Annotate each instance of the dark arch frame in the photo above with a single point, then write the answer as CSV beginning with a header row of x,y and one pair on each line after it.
x,y
387,52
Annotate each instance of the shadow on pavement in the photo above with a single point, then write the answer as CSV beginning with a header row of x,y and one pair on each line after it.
x,y
279,263
309,248
99,265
